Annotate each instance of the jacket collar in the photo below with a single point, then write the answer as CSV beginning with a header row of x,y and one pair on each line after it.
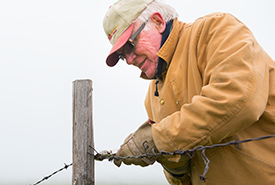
x,y
168,45
166,52
162,65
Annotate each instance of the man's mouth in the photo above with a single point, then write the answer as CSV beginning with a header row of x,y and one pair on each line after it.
x,y
140,66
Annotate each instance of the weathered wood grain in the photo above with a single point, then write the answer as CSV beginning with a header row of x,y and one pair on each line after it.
x,y
83,139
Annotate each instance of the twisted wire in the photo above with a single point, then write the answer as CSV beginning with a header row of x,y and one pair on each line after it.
x,y
49,176
188,152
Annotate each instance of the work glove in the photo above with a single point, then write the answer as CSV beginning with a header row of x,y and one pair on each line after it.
x,y
136,144
141,142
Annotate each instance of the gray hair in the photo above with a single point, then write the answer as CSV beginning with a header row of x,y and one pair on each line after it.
x,y
168,13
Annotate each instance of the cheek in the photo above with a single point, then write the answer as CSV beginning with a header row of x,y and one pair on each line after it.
x,y
149,50
149,47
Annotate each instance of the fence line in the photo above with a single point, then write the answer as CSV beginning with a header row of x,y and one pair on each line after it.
x,y
83,143
188,152
49,176
177,152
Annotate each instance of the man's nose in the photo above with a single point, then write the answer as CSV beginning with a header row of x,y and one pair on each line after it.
x,y
130,58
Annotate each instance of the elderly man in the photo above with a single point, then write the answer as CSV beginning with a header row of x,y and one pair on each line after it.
x,y
211,82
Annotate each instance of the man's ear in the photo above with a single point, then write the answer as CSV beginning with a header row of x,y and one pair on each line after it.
x,y
159,22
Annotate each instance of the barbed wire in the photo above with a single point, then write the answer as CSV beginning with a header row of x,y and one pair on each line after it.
x,y
49,176
188,152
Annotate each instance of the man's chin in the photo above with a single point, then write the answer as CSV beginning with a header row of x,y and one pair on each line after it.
x,y
147,76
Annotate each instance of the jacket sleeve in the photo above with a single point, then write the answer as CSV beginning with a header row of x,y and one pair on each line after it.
x,y
234,91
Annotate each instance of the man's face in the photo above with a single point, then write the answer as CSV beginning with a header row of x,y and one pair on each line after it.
x,y
144,55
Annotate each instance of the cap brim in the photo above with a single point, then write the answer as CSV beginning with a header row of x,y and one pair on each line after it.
x,y
113,56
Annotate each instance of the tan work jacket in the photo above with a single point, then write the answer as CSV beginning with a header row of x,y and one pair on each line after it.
x,y
219,86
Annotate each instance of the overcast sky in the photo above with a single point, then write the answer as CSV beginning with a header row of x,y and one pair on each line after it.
x,y
47,44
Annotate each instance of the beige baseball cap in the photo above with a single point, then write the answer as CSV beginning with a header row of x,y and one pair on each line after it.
x,y
118,24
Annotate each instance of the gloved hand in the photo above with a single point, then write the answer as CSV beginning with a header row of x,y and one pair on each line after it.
x,y
141,142
136,144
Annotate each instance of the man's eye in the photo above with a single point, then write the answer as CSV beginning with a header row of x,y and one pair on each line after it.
x,y
121,56
128,48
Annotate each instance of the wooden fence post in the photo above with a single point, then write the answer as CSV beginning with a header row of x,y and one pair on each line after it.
x,y
83,139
